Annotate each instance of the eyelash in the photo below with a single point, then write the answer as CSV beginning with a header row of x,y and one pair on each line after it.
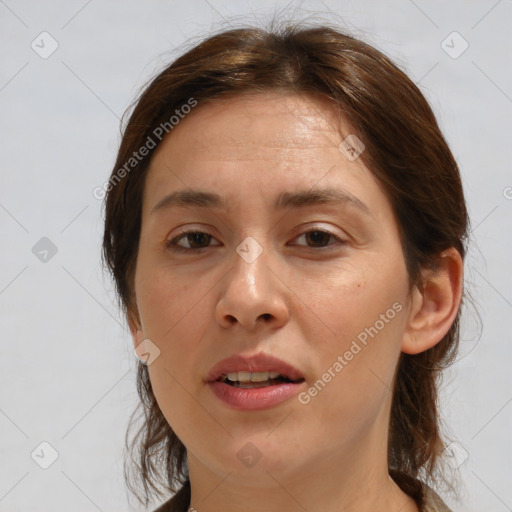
x,y
172,244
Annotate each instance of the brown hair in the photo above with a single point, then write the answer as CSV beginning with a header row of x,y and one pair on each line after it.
x,y
406,151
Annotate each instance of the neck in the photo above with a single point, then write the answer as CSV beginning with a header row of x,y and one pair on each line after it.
x,y
357,480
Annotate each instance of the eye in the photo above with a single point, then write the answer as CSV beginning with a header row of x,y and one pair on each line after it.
x,y
319,238
196,240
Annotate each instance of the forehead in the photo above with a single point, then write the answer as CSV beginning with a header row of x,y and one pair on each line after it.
x,y
271,121
275,132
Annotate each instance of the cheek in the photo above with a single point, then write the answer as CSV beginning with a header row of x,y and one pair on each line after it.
x,y
353,377
169,303
175,319
175,314
354,323
343,302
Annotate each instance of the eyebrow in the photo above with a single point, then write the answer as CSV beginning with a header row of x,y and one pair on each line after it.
x,y
285,200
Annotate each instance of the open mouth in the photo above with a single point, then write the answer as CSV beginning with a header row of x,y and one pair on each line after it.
x,y
257,389
256,380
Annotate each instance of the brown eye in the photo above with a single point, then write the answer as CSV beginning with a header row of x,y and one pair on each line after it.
x,y
319,238
196,241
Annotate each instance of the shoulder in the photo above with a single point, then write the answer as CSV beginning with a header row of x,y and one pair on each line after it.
x,y
433,503
180,502
165,507
171,505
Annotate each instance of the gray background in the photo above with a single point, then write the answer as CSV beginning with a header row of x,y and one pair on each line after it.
x,y
67,364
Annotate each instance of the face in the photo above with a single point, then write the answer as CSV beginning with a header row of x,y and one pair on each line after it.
x,y
319,284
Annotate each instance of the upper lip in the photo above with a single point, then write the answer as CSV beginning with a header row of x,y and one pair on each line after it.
x,y
255,363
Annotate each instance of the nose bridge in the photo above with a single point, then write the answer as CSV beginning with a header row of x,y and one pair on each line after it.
x,y
250,266
252,291
250,250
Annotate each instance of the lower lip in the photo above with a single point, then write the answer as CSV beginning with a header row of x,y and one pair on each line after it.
x,y
250,399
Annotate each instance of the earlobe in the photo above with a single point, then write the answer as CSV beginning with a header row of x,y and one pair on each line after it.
x,y
434,308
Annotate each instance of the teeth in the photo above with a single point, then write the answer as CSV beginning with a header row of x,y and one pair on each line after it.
x,y
252,376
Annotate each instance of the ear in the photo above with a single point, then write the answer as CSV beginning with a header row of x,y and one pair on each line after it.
x,y
434,308
135,327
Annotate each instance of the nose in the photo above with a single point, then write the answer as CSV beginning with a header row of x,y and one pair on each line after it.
x,y
253,294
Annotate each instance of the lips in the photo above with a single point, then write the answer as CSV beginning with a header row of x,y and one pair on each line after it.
x,y
272,382
253,364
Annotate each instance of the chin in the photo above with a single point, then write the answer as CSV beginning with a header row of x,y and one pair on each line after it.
x,y
255,459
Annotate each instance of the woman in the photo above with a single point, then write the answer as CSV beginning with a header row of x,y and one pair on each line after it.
x,y
286,228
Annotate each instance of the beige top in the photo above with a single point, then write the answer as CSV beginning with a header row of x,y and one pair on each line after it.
x,y
433,503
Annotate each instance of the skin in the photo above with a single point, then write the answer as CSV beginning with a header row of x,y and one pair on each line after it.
x,y
303,300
